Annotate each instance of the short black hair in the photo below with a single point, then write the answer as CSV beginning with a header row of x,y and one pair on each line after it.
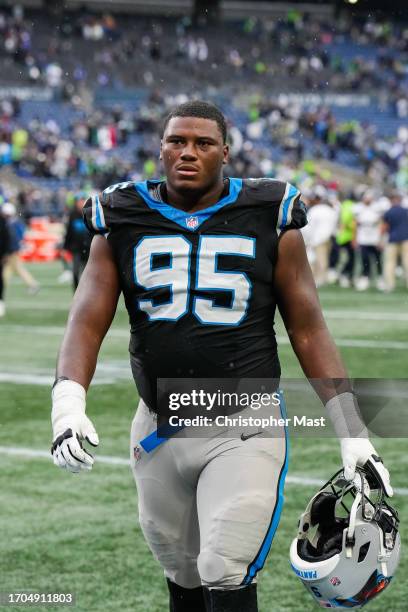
x,y
201,109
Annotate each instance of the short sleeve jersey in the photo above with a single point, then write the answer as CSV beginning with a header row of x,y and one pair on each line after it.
x,y
198,287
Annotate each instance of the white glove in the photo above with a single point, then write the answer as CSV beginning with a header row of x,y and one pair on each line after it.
x,y
70,427
360,452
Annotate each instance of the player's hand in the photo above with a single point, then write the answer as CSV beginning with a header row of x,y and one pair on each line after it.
x,y
71,427
360,452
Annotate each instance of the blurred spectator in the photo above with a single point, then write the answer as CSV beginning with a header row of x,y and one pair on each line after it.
x,y
368,216
322,221
345,240
396,225
17,229
4,250
53,74
77,238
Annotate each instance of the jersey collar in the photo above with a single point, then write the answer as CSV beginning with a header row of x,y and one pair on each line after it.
x,y
190,221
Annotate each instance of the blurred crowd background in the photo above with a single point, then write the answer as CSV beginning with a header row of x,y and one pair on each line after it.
x,y
318,98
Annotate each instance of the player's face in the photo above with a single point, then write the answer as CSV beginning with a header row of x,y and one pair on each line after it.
x,y
193,153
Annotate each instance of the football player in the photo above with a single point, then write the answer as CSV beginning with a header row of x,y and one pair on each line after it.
x,y
202,262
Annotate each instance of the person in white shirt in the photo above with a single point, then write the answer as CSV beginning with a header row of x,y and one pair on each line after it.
x,y
322,223
368,215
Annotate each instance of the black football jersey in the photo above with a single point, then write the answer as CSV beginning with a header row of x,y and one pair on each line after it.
x,y
198,286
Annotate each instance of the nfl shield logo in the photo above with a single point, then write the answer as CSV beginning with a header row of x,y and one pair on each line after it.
x,y
192,222
137,453
335,581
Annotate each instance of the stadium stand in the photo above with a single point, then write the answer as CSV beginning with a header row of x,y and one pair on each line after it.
x,y
83,95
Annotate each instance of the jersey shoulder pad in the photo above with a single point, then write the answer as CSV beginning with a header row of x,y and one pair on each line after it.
x,y
289,212
264,189
292,212
113,206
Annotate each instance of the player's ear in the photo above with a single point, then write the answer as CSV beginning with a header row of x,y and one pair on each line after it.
x,y
226,154
161,149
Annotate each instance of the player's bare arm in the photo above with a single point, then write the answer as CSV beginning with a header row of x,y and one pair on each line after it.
x,y
318,356
89,319
300,309
91,315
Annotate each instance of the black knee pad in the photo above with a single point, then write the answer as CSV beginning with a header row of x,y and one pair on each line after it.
x,y
185,600
241,599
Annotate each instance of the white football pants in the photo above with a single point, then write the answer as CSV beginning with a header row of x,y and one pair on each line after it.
x,y
209,507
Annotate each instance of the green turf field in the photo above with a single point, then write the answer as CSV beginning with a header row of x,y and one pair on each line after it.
x,y
66,533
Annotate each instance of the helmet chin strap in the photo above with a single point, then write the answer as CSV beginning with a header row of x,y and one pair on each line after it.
x,y
384,556
350,539
363,496
363,492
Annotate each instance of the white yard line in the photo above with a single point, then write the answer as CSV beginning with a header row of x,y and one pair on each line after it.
x,y
50,330
30,453
48,379
357,296
365,315
344,313
396,345
115,372
53,330
106,374
34,304
26,379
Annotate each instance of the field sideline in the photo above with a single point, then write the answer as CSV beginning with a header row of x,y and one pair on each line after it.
x,y
61,532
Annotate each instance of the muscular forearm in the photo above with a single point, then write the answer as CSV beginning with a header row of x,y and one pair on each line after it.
x,y
320,361
78,354
317,353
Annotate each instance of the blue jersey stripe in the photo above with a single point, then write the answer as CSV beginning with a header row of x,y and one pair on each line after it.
x,y
292,193
180,216
101,227
259,560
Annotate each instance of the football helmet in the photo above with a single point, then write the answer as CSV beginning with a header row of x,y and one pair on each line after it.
x,y
348,544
